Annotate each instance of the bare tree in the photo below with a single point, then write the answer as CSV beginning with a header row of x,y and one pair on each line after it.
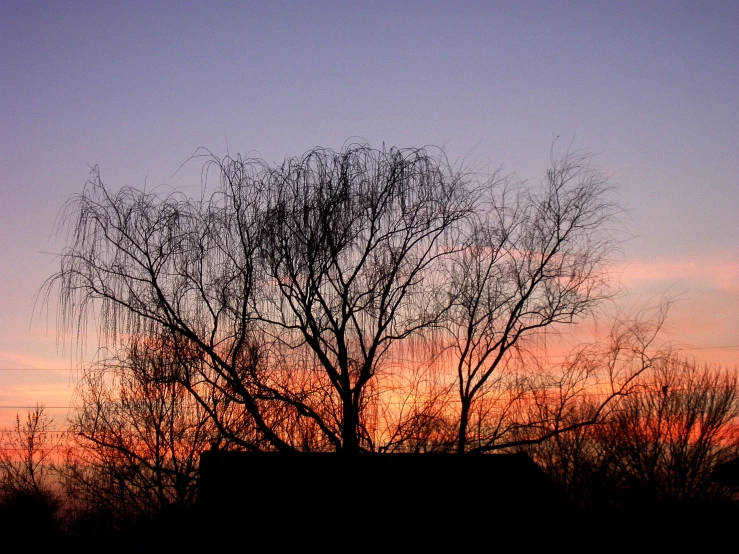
x,y
536,260
27,455
175,270
138,434
659,443
354,241
668,437
29,498
289,283
305,302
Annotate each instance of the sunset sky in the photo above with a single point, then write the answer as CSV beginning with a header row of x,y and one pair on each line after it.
x,y
650,88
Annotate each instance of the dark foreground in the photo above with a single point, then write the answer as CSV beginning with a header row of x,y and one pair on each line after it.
x,y
249,502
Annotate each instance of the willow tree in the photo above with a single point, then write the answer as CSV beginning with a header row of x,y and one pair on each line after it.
x,y
286,299
289,283
168,268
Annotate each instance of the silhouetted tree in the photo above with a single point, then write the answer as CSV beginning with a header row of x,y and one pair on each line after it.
x,y
307,303
29,500
659,443
26,454
668,437
138,434
353,242
331,255
535,259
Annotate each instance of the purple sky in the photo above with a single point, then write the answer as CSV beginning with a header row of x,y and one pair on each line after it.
x,y
651,88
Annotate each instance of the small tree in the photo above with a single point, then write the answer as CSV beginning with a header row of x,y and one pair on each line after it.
x,y
138,435
29,500
667,438
26,456
661,442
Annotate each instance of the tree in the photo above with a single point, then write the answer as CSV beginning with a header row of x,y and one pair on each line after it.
x,y
175,271
138,434
353,241
534,260
667,438
304,305
329,255
659,443
29,503
26,456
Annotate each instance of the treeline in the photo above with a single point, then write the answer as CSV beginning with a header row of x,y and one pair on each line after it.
x,y
128,468
365,301
355,301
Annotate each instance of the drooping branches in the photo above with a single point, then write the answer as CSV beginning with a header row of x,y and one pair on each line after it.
x,y
315,295
354,243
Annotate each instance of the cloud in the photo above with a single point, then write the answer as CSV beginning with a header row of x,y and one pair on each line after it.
x,y
705,272
12,359
704,288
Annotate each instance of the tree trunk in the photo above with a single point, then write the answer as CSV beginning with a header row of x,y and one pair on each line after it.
x,y
349,434
463,420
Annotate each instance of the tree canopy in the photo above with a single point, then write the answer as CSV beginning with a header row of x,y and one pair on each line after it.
x,y
359,300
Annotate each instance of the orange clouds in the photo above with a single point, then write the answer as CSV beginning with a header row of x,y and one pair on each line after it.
x,y
709,271
704,316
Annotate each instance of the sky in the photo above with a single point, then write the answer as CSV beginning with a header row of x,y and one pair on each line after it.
x,y
651,89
